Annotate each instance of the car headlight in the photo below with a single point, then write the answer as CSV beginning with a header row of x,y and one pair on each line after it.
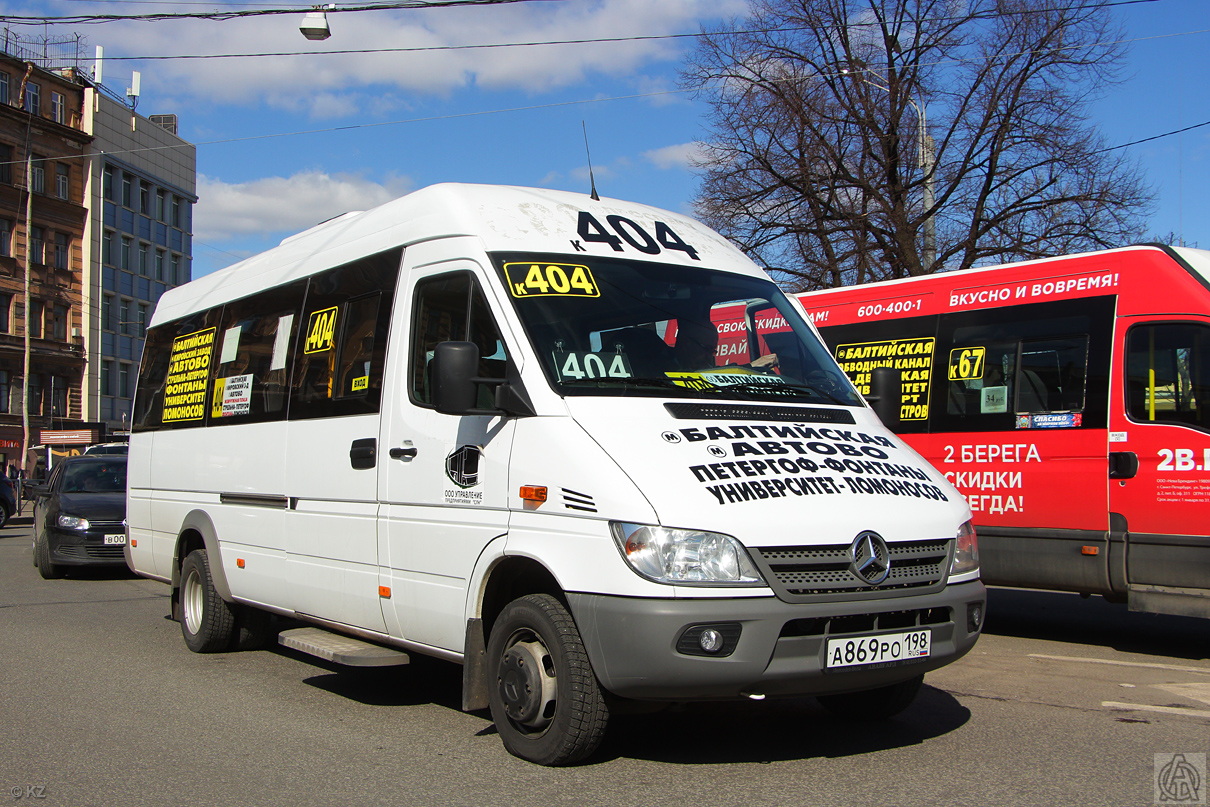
x,y
72,522
685,557
966,553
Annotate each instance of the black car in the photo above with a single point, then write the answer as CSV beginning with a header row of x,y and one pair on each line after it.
x,y
80,515
8,500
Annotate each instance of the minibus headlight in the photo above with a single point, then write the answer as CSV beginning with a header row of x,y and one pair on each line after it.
x,y
72,522
683,557
966,552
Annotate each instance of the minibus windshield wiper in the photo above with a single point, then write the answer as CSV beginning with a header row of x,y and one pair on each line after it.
x,y
626,381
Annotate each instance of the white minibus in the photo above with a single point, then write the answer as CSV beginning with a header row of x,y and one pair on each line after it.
x,y
494,425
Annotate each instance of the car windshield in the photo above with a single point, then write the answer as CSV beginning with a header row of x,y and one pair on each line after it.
x,y
95,477
617,327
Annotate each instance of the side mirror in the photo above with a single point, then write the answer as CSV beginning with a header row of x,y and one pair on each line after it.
x,y
885,394
457,385
455,366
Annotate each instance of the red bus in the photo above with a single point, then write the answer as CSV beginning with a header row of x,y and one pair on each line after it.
x,y
1067,398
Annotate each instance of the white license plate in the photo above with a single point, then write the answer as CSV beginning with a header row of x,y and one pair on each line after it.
x,y
882,648
115,539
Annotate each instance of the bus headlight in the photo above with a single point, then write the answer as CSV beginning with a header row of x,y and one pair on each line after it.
x,y
966,551
685,557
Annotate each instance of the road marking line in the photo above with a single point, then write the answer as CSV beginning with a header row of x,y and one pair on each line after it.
x,y
1194,692
1153,666
1171,710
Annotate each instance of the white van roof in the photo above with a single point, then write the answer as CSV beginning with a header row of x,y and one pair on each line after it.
x,y
504,217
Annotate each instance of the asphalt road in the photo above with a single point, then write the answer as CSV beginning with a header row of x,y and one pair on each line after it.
x,y
1063,702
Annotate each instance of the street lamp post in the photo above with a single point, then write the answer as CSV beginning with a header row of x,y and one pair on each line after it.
x,y
926,159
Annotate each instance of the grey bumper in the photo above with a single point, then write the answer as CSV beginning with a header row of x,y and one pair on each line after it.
x,y
632,642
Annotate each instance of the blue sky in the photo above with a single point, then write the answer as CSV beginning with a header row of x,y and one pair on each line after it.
x,y
285,142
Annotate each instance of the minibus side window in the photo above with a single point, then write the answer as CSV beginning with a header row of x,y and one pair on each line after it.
x,y
452,308
1052,373
906,345
174,377
1033,366
252,368
1168,374
340,351
1027,377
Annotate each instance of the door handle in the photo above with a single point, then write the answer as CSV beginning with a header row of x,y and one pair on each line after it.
x,y
403,453
1123,464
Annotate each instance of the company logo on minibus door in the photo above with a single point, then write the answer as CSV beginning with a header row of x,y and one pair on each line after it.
x,y
462,468
871,560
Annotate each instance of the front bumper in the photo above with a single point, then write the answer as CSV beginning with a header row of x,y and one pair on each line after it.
x,y
632,642
75,548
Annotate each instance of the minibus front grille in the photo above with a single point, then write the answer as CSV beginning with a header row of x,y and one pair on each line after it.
x,y
866,623
811,573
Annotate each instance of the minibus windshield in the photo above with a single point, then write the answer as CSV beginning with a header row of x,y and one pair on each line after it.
x,y
615,327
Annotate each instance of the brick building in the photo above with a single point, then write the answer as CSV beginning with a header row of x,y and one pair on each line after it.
x,y
96,212
44,149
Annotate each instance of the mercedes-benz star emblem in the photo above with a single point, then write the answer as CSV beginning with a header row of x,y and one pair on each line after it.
x,y
871,560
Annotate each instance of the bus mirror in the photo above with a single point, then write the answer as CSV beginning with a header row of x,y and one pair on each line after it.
x,y
885,394
458,389
455,366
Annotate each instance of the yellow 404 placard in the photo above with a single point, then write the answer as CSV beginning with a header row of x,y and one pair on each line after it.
x,y
528,279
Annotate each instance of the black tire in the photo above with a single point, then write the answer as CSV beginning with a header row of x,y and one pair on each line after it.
x,y
544,696
207,620
5,515
874,704
46,567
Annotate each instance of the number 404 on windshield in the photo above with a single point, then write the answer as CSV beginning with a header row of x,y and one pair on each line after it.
x,y
528,279
575,365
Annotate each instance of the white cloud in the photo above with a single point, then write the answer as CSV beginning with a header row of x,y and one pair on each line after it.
x,y
685,156
327,86
227,210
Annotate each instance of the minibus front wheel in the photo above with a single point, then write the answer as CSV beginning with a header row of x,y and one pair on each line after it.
x,y
544,696
207,620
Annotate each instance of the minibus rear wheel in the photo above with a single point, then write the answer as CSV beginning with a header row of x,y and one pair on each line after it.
x,y
207,621
874,704
544,696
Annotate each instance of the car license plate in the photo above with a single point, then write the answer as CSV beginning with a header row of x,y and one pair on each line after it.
x,y
883,648
115,539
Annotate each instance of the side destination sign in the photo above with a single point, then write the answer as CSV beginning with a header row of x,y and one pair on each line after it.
x,y
188,371
913,358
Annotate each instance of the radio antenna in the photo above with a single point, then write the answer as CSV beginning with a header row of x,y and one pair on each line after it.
x,y
592,180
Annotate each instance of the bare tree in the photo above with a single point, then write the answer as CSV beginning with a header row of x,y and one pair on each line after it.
x,y
859,140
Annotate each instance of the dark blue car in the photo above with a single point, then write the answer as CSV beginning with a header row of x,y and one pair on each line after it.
x,y
80,515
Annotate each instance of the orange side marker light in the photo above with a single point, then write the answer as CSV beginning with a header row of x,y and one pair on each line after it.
x,y
533,493
384,592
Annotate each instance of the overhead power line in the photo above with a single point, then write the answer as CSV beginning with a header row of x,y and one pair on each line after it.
x,y
88,19
1154,137
85,19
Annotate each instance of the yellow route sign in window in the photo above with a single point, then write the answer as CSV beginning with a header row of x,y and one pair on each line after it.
x,y
967,363
529,279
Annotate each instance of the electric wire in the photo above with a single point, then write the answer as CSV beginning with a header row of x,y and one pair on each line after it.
x,y
410,5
